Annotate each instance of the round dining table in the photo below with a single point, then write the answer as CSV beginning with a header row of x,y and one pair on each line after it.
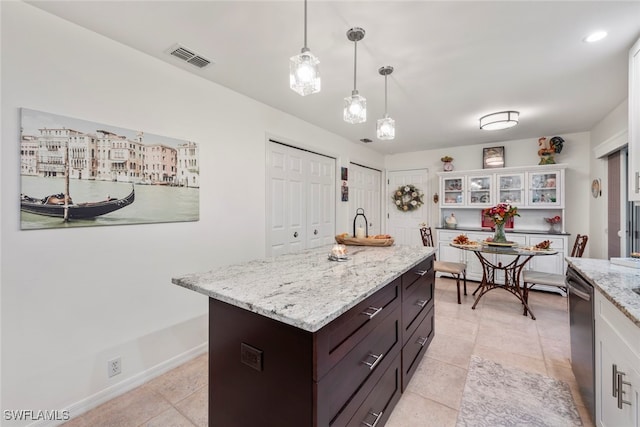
x,y
501,274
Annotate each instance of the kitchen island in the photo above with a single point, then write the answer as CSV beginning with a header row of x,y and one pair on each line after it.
x,y
616,342
298,340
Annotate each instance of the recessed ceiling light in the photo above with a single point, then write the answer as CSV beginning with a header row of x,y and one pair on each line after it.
x,y
596,36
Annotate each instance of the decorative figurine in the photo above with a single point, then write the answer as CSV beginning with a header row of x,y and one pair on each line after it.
x,y
547,151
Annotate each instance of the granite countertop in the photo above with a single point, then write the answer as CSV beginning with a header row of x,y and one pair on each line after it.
x,y
305,289
506,230
614,282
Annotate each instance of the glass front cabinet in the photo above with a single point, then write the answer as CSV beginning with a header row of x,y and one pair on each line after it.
x,y
544,189
453,191
532,187
511,188
480,190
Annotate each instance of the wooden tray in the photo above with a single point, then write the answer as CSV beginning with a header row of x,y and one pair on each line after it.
x,y
354,241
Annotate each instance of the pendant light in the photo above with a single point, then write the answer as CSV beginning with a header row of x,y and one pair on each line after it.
x,y
355,106
304,71
386,125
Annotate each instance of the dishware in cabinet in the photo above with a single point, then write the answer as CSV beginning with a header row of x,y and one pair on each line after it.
x,y
480,190
511,188
544,188
453,191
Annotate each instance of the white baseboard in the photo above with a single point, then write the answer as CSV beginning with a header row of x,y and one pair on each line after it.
x,y
122,387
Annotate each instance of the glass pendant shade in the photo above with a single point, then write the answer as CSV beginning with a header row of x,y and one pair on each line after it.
x,y
355,108
386,128
304,73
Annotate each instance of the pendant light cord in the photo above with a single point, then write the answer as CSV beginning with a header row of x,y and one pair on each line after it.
x,y
385,95
355,63
305,24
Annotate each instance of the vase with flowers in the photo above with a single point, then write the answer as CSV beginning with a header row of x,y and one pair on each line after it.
x,y
499,214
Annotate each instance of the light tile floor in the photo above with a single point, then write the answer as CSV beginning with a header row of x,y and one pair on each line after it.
x,y
495,330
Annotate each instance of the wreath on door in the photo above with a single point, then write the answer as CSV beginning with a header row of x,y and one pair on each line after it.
x,y
407,198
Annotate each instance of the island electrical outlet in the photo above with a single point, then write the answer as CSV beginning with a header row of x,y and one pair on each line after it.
x,y
114,367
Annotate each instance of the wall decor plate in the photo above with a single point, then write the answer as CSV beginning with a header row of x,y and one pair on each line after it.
x,y
596,188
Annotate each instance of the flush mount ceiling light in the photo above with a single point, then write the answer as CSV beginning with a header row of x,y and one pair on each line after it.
x,y
500,120
386,125
595,36
355,106
304,71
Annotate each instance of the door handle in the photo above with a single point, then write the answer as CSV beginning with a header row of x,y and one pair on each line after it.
x,y
295,234
315,231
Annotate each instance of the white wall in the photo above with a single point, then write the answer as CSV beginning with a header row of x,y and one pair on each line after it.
x,y
517,153
73,298
609,134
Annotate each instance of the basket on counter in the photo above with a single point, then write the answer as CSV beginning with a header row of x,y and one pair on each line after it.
x,y
363,241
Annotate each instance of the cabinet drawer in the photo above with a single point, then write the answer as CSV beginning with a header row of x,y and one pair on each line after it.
x,y
416,346
336,339
372,355
380,402
417,303
410,278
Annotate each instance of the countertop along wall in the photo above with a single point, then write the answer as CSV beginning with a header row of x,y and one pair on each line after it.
x,y
523,152
71,299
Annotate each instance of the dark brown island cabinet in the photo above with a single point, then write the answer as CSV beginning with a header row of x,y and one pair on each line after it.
x,y
351,372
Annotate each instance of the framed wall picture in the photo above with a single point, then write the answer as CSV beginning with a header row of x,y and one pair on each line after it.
x,y
493,157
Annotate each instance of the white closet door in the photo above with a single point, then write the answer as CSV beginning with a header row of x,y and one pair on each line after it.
x,y
364,192
405,226
320,200
300,199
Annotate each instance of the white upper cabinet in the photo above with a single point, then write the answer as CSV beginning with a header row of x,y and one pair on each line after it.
x,y
634,122
453,190
532,187
544,189
511,188
480,190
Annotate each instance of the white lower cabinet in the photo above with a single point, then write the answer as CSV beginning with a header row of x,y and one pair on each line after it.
x,y
617,366
548,263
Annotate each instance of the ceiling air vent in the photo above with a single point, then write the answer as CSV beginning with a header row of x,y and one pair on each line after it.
x,y
189,56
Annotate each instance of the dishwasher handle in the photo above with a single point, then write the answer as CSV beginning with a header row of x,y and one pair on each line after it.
x,y
577,292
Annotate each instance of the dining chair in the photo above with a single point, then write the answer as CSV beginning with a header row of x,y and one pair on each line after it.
x,y
530,278
456,269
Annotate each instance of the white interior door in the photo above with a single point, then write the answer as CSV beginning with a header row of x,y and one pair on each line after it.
x,y
300,211
364,192
404,226
320,200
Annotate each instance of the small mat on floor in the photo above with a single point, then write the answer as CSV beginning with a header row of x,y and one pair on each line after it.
x,y
498,396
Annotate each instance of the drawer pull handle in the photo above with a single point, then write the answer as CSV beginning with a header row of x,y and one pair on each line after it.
x,y
621,392
377,360
614,371
378,416
422,303
422,341
373,313
421,272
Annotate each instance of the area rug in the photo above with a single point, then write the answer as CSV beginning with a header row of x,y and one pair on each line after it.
x,y
497,396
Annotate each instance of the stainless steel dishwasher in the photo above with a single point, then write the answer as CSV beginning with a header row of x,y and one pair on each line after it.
x,y
582,331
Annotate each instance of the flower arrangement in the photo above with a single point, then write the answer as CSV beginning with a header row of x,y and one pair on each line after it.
x,y
407,198
446,159
501,213
554,220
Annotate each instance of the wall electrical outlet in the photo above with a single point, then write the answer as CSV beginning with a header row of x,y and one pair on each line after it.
x,y
114,367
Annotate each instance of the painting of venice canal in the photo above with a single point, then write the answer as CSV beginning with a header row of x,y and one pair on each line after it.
x,y
79,173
